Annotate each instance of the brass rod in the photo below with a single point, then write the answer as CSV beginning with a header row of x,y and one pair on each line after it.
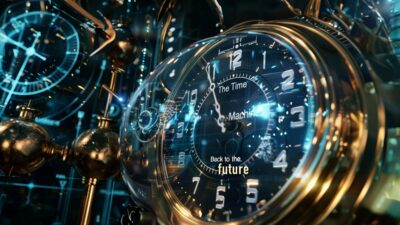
x,y
87,201
163,35
313,8
86,14
111,92
113,82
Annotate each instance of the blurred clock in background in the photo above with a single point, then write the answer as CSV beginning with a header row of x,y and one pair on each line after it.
x,y
44,54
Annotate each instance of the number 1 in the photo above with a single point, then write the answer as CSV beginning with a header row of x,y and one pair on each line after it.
x,y
264,59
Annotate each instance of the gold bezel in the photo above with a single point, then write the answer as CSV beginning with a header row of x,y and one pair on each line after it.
x,y
340,136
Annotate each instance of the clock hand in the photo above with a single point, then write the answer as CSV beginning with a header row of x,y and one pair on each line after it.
x,y
221,118
20,72
30,51
112,34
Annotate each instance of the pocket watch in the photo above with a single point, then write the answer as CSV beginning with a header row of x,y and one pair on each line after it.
x,y
270,122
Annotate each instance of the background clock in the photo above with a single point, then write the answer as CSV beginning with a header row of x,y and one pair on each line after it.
x,y
29,65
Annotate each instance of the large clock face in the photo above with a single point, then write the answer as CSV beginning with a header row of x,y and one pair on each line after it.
x,y
44,60
39,49
243,123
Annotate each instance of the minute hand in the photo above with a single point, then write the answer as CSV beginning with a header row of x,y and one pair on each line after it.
x,y
220,120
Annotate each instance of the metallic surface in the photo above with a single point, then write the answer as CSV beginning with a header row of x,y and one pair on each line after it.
x,y
114,74
340,135
61,184
22,143
349,145
313,8
124,49
87,201
96,153
353,162
106,26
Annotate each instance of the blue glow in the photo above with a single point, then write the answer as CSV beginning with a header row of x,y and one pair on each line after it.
x,y
280,108
263,110
60,176
54,77
161,108
216,66
31,185
395,25
48,122
81,114
188,116
103,64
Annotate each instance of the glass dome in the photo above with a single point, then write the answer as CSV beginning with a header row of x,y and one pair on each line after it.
x,y
142,120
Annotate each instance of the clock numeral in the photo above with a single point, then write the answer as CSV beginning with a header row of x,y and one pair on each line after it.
x,y
214,70
252,192
181,159
235,59
220,198
195,180
191,97
299,110
264,53
280,161
180,128
288,77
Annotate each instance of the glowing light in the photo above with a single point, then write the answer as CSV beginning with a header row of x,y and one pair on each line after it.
x,y
188,116
31,185
6,144
263,110
280,108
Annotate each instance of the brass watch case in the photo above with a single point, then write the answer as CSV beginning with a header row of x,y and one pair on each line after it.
x,y
349,125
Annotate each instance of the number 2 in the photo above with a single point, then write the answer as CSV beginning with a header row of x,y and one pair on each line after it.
x,y
288,77
235,59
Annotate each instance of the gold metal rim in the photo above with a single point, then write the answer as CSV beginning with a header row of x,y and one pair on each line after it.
x,y
335,149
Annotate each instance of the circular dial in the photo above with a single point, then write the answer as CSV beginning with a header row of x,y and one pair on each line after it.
x,y
30,64
240,132
44,60
243,119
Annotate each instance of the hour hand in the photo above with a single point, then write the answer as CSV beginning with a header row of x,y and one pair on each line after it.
x,y
221,119
220,122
